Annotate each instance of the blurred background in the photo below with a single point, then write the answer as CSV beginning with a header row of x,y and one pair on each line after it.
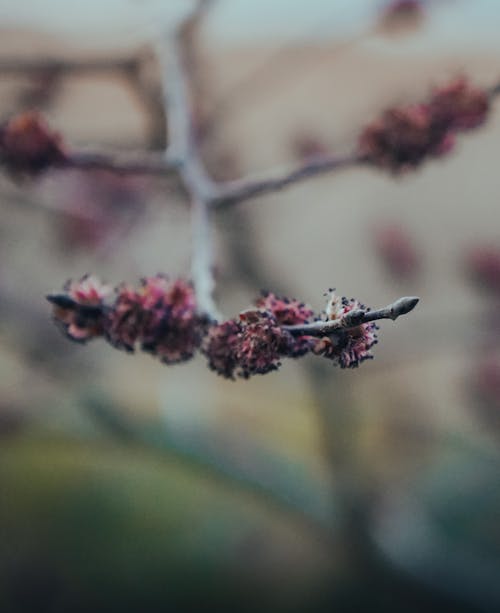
x,y
128,485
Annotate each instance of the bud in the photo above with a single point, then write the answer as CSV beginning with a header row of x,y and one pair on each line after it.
x,y
80,310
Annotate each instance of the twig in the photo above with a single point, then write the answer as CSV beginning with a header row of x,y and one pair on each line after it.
x,y
355,318
132,163
243,189
52,65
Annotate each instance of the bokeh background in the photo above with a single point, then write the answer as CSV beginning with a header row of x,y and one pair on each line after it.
x,y
126,485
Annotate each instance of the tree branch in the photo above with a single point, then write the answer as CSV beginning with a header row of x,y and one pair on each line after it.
x,y
355,318
153,163
243,189
34,67
183,152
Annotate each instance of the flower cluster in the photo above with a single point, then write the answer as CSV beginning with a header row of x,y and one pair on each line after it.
x,y
257,342
161,318
28,146
403,137
347,347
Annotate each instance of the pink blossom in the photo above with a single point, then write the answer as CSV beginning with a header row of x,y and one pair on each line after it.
x,y
459,105
347,347
402,138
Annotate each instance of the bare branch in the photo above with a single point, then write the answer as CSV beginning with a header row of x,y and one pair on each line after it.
x,y
355,318
120,163
184,153
233,192
73,66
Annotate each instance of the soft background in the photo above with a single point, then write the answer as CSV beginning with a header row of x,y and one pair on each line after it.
x,y
127,485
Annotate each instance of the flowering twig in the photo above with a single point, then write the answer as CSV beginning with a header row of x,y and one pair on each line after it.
x,y
355,318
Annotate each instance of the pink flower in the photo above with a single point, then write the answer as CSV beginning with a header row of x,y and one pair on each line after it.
x,y
289,312
80,310
403,137
161,316
220,347
125,321
173,329
254,345
262,344
347,347
459,105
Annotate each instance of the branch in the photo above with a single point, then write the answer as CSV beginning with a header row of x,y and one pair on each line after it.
x,y
243,189
52,65
131,163
355,318
184,153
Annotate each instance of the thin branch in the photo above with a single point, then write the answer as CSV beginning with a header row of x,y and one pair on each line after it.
x,y
33,67
131,163
355,318
243,189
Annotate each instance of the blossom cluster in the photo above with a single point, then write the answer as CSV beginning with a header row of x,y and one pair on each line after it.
x,y
161,318
29,146
403,137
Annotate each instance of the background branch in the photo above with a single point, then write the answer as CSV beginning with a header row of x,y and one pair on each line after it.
x,y
237,191
183,151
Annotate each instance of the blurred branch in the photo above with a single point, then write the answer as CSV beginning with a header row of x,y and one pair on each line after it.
x,y
243,189
33,67
184,152
152,163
